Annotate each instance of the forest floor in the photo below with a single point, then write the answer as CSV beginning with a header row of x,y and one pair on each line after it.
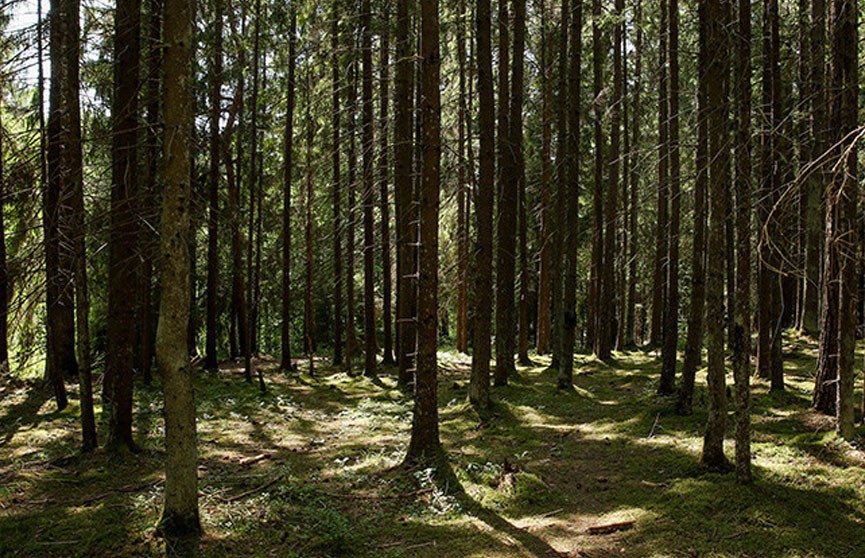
x,y
311,470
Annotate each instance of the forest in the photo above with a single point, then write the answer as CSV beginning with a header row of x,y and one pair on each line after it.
x,y
431,278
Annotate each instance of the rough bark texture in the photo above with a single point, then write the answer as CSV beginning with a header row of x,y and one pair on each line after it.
x,y
180,512
506,223
384,189
123,230
462,340
479,385
519,175
600,326
659,289
740,339
425,447
717,70
337,190
631,309
546,208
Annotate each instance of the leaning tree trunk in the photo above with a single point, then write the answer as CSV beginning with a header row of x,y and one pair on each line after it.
x,y
180,512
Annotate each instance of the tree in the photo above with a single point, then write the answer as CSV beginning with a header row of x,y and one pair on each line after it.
x,y
519,175
741,338
506,224
697,310
602,321
367,141
567,321
462,194
544,236
631,308
180,511
716,15
4,272
669,350
479,383
288,168
309,302
384,197
661,276
406,286
842,195
337,189
210,356
425,447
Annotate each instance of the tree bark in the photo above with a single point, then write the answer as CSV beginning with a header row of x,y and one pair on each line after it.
x,y
600,247
425,447
337,190
384,189
631,310
180,511
479,384
547,207
367,141
288,169
717,14
210,356
661,274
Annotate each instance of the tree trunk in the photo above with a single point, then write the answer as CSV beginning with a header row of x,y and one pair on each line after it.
x,y
180,512
384,199
661,275
424,447
309,301
515,123
669,355
741,337
697,310
337,191
631,311
403,195
210,356
547,207
367,141
123,232
288,169
717,14
598,296
479,384
350,337
567,320
506,224
462,341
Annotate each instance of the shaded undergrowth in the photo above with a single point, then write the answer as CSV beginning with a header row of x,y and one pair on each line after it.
x,y
312,469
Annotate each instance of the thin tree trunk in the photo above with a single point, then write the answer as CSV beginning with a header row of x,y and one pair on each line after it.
x,y
630,317
669,355
350,336
337,191
384,199
210,356
367,142
661,274
288,169
547,207
515,122
309,302
598,296
462,194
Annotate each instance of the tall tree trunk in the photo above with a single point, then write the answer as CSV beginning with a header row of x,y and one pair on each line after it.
x,y
403,194
479,384
337,190
4,272
741,337
816,143
602,321
631,311
123,232
309,302
717,14
350,334
697,310
288,169
547,207
507,214
149,222
462,193
59,303
669,351
661,275
843,195
210,355
367,142
180,512
568,317
384,199
424,447
560,194
519,175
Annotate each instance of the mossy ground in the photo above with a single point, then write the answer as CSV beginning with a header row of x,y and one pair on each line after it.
x,y
312,469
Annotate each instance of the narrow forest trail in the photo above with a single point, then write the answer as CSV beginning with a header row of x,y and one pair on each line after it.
x,y
310,470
